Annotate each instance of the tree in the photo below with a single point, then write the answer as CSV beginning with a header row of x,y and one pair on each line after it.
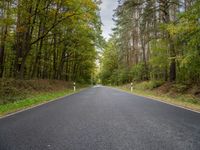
x,y
157,39
51,39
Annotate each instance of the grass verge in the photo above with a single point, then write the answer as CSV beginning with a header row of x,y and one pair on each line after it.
x,y
37,99
182,100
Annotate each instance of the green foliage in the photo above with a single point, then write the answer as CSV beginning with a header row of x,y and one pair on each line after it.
x,y
15,90
159,54
28,102
137,72
123,76
159,61
155,48
49,39
109,62
188,36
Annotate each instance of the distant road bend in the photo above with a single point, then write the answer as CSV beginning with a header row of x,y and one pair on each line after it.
x,y
101,118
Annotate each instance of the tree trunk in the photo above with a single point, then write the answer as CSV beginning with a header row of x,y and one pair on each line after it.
x,y
4,32
2,50
173,61
165,6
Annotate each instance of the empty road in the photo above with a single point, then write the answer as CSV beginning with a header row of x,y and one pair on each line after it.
x,y
101,118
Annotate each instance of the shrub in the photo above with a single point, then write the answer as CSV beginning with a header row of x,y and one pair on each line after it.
x,y
13,90
180,88
137,72
9,93
149,85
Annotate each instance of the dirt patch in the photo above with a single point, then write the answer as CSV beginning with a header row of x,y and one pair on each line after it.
x,y
165,88
194,90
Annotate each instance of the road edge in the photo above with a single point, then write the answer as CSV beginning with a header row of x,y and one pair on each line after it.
x,y
44,103
156,99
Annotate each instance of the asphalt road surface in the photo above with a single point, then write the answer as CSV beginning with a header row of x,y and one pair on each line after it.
x,y
102,118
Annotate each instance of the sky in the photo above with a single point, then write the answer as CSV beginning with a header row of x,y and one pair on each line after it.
x,y
107,8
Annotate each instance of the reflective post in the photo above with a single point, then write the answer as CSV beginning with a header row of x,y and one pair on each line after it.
x,y
131,86
74,86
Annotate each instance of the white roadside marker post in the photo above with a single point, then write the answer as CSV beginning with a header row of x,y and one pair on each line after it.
x,y
74,86
131,86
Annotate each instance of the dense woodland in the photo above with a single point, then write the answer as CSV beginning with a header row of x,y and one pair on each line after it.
x,y
154,40
49,39
59,39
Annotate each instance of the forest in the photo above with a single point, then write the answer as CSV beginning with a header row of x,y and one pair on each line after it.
x,y
53,48
153,40
49,39
60,39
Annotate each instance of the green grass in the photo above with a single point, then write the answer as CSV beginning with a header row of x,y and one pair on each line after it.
x,y
32,101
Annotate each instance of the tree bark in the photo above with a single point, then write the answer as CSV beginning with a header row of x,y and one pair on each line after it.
x,y
4,32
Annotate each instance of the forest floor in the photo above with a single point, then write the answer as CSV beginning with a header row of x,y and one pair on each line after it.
x,y
187,96
16,95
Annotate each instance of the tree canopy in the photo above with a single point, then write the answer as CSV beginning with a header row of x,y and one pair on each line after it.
x,y
154,40
49,39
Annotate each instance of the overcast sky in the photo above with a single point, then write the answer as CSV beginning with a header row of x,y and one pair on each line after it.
x,y
107,8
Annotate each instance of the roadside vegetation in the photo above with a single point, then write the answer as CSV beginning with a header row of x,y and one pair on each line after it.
x,y
49,39
182,95
20,94
43,41
155,45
